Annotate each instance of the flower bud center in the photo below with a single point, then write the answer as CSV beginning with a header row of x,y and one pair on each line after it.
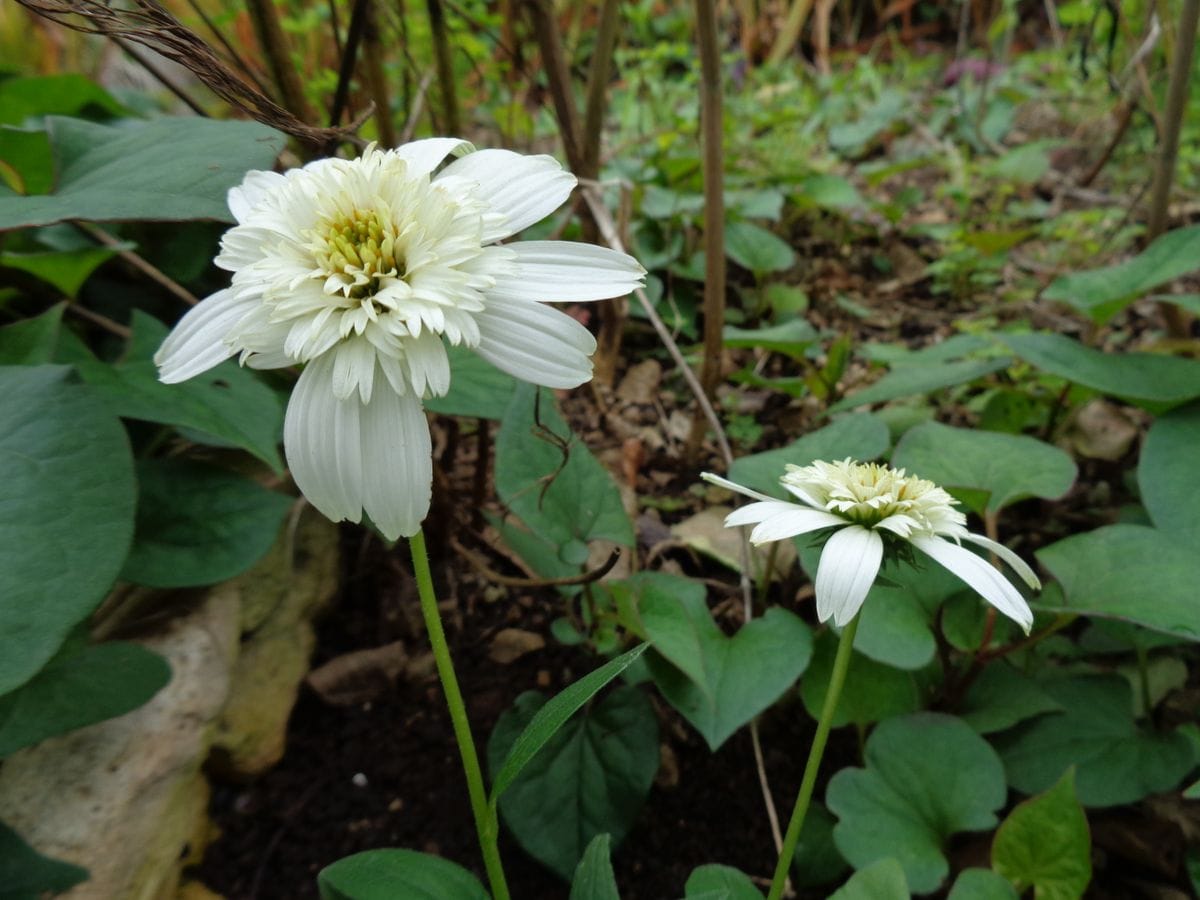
x,y
360,246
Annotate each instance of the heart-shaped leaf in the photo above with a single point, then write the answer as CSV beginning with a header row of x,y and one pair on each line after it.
x,y
478,389
721,880
1167,474
882,880
928,776
590,778
1002,696
1004,467
873,691
594,878
389,874
717,683
754,248
1045,844
66,512
31,342
1116,762
981,884
817,860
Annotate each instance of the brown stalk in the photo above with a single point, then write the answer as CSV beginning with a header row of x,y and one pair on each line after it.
x,y
349,59
712,128
275,47
789,34
377,82
445,67
545,29
1177,321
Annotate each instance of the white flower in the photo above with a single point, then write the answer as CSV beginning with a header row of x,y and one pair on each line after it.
x,y
868,503
360,269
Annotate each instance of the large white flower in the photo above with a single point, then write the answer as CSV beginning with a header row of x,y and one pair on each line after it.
x,y
361,270
868,503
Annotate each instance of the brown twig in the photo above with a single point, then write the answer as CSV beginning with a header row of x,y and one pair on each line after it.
x,y
445,67
377,82
115,328
554,62
276,48
354,37
138,262
160,76
418,104
480,565
245,67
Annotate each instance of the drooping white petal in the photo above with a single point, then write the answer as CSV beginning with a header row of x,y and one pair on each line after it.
x,y
523,189
1018,565
802,494
535,343
197,343
849,563
242,199
428,365
322,438
425,155
793,521
753,513
353,369
397,463
566,271
737,489
980,575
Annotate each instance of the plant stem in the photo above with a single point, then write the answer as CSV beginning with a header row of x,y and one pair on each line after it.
x,y
837,678
445,67
486,825
274,43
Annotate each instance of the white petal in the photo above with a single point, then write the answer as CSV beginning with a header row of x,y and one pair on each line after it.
x,y
980,575
802,494
566,271
791,522
753,513
353,369
197,342
428,364
425,155
274,359
242,199
397,463
849,563
736,488
323,443
535,343
1019,565
523,189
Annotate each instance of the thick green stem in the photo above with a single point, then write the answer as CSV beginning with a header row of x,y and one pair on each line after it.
x,y
486,825
836,679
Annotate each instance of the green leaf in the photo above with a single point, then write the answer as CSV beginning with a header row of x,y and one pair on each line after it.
x,y
1102,293
1141,378
198,524
477,389
581,502
1129,572
873,691
66,270
1045,844
718,879
882,880
26,164
1004,467
389,874
981,884
928,776
590,778
98,683
1167,474
817,860
1116,762
228,405
22,99
31,342
716,682
66,512
1002,696
909,380
829,192
27,875
594,878
862,436
756,249
790,338
551,717
168,169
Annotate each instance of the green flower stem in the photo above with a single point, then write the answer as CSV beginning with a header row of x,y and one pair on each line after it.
x,y
836,679
486,825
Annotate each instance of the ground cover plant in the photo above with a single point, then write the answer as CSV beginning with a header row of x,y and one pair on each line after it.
x,y
764,442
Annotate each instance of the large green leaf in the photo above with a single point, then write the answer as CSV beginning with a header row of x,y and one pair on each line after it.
x,y
1004,467
22,99
791,337
981,884
567,503
1143,378
226,406
717,683
66,270
1002,696
1167,474
164,169
27,875
390,874
66,512
881,880
198,524
1116,761
98,683
1102,293
31,342
817,860
590,778
477,388
916,378
873,691
26,164
594,878
928,776
722,880
753,247
1130,572
862,436
1045,844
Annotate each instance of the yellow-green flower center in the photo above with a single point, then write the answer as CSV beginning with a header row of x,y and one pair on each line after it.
x,y
357,250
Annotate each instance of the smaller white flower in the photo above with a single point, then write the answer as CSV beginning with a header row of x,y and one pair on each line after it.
x,y
868,503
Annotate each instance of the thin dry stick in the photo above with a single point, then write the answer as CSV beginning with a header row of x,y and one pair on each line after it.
x,y
242,65
142,265
1177,95
160,76
712,125
274,43
445,66
418,104
377,82
354,36
559,77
